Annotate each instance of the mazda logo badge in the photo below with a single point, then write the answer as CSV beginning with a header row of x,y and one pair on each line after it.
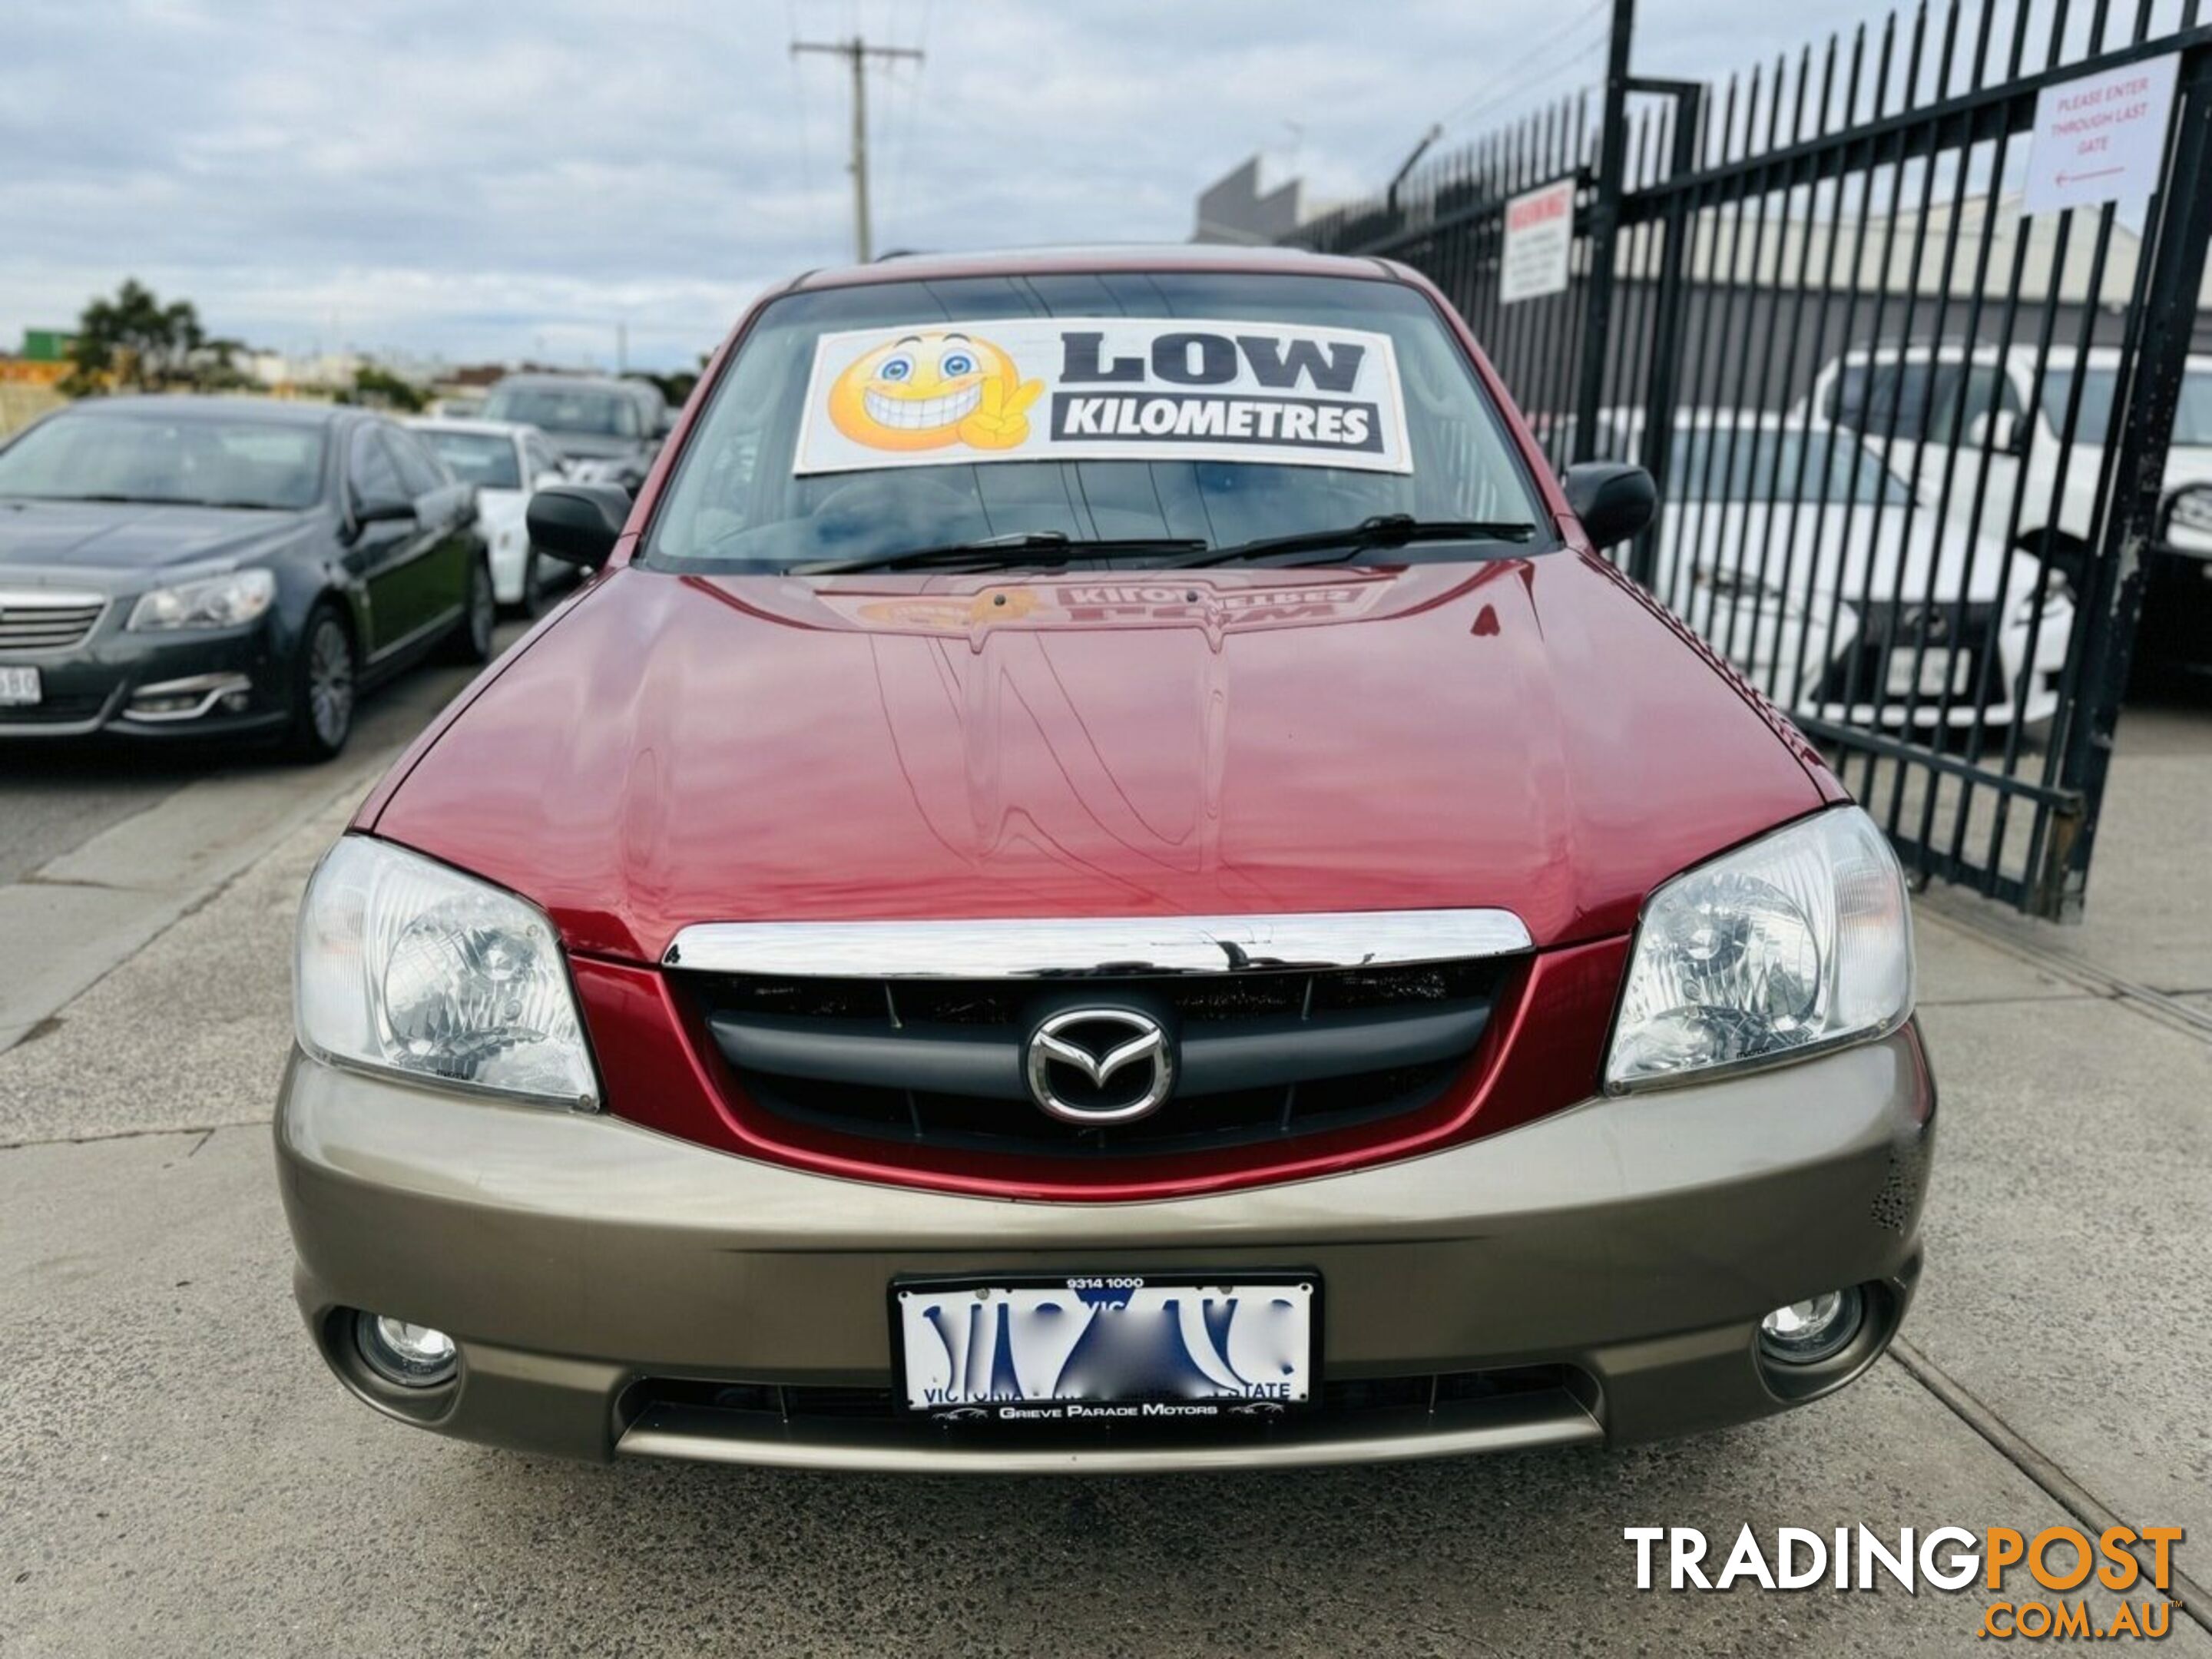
x,y
1096,1047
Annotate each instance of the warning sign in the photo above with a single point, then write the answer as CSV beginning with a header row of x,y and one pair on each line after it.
x,y
1540,236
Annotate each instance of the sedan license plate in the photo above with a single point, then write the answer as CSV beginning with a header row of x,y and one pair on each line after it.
x,y
1942,672
1104,1348
19,687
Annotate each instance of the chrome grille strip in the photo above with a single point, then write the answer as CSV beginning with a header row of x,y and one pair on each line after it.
x,y
1003,948
33,619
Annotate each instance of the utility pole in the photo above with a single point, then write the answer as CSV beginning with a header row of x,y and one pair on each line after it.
x,y
856,52
1604,230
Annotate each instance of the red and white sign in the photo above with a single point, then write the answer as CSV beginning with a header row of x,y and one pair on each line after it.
x,y
2102,137
1540,236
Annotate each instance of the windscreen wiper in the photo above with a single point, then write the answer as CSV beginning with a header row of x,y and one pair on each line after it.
x,y
109,500
1386,530
990,553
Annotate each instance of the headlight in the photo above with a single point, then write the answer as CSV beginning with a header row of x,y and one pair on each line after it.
x,y
404,965
1797,942
2055,601
218,602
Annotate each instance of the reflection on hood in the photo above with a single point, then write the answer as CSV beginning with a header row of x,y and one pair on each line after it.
x,y
132,535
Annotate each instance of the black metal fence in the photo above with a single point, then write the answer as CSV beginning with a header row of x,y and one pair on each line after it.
x,y
1912,439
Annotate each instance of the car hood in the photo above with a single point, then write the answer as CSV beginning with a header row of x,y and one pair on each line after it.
x,y
1528,734
125,536
1815,547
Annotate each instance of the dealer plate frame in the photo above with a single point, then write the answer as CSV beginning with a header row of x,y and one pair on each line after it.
x,y
1232,1409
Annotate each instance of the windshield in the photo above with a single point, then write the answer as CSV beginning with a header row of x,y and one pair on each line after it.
x,y
485,459
581,409
1726,464
924,439
2193,416
195,460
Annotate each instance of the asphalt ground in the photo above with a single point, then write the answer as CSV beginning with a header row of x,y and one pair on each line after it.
x,y
179,1475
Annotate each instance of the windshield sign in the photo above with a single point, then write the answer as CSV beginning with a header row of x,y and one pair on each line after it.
x,y
992,409
1103,389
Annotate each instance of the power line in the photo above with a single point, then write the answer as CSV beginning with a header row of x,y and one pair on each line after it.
x,y
1512,73
905,117
856,52
1512,77
806,151
1594,49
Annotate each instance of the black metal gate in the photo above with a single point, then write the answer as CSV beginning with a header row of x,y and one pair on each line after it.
x,y
1911,440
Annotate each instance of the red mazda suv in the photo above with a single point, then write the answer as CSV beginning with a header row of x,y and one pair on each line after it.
x,y
1103,878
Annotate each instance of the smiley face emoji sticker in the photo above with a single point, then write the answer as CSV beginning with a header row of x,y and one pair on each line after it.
x,y
929,390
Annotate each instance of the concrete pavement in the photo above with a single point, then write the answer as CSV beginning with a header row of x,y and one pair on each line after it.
x,y
178,1475
155,833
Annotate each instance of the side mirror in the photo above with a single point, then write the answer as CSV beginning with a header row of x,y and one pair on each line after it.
x,y
1612,499
391,510
2000,431
577,522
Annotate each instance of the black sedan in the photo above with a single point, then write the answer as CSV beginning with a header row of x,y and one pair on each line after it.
x,y
225,567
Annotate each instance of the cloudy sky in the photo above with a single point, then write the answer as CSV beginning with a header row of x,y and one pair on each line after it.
x,y
497,179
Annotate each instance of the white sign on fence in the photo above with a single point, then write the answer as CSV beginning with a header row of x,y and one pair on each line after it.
x,y
2102,137
1540,235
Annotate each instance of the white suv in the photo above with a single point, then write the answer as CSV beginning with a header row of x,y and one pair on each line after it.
x,y
1990,438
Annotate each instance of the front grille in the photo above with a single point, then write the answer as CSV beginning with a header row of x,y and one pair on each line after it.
x,y
69,710
1943,643
707,1408
1262,1054
28,623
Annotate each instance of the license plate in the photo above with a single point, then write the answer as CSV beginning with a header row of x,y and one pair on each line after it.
x,y
1940,670
1108,1348
18,686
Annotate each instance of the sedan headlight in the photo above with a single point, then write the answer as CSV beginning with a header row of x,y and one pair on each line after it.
x,y
1797,942
404,965
228,601
2056,600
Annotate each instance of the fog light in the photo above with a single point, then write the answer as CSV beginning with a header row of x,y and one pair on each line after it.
x,y
413,1356
1819,1327
189,699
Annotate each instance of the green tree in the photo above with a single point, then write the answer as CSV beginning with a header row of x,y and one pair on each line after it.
x,y
380,388
676,388
133,338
